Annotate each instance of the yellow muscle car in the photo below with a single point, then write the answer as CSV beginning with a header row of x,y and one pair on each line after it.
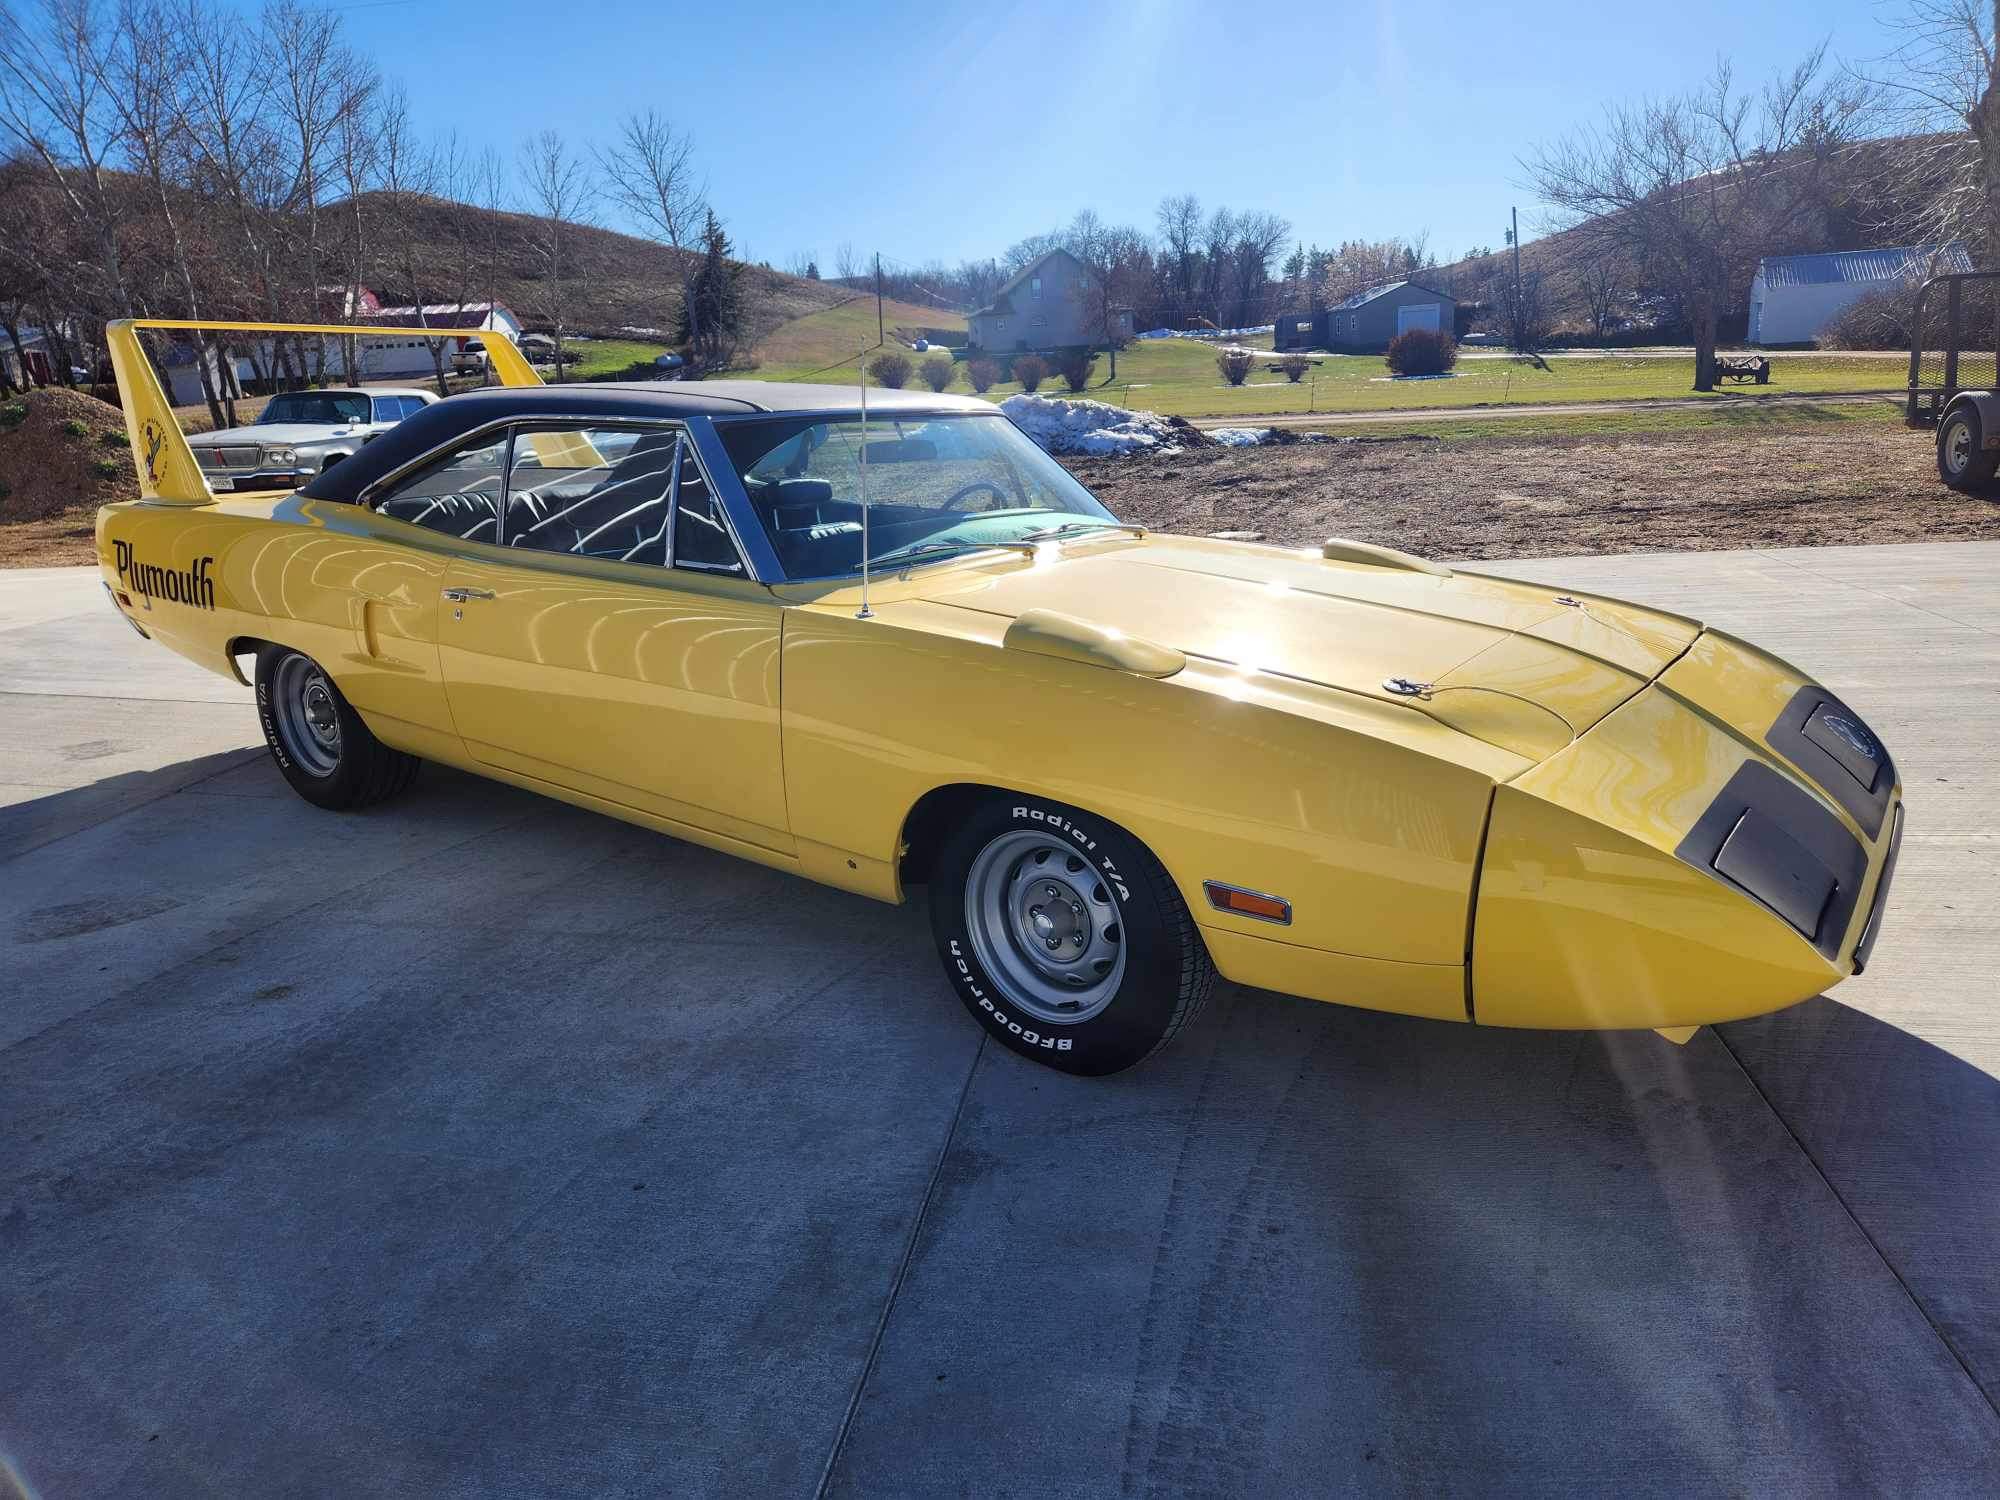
x,y
1120,761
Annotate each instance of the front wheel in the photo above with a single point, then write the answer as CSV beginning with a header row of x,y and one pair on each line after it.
x,y
1064,936
1964,461
319,742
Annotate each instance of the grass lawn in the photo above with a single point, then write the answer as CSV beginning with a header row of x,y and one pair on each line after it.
x,y
803,348
1177,377
594,359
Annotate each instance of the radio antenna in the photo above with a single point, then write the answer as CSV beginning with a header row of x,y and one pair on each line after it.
x,y
864,613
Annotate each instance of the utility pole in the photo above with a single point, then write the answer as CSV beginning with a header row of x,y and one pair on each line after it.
x,y
879,339
1514,238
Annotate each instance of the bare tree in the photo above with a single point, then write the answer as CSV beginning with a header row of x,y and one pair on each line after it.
x,y
558,190
1705,183
53,103
360,135
318,86
1939,95
1602,281
649,171
846,264
234,155
1110,254
1179,220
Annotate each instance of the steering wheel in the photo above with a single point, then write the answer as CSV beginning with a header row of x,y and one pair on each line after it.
x,y
972,489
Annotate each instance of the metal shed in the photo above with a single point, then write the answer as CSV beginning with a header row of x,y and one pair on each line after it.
x,y
1368,319
1794,297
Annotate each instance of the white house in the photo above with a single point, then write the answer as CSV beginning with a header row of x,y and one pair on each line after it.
x,y
1793,297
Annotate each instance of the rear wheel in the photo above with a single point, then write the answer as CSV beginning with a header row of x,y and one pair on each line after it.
x,y
1064,936
318,740
1964,461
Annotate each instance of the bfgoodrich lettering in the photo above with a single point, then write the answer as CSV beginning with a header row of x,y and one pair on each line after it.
x,y
191,585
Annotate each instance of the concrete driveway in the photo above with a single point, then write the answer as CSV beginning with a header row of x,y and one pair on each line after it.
x,y
481,1146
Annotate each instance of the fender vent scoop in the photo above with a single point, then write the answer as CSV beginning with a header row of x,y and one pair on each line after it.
x,y
1339,549
1047,633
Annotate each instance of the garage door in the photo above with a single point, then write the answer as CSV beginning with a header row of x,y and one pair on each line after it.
x,y
1424,315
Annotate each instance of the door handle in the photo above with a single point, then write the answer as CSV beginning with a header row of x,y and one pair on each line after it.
x,y
459,596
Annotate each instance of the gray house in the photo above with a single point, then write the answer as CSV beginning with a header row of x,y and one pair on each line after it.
x,y
1368,319
1049,303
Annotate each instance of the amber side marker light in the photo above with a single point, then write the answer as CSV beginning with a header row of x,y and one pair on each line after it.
x,y
1233,898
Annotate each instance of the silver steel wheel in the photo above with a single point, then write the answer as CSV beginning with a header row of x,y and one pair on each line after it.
x,y
1958,445
308,720
1044,927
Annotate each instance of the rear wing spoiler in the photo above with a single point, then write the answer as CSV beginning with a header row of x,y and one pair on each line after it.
x,y
160,452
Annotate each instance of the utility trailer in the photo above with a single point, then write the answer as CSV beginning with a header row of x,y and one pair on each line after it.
x,y
1955,374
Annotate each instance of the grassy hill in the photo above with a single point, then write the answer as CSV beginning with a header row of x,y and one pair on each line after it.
x,y
805,347
617,280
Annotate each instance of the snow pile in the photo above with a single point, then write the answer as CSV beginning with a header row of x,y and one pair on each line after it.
x,y
1204,333
1091,426
1240,437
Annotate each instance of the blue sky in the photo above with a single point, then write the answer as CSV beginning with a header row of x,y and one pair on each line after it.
x,y
951,130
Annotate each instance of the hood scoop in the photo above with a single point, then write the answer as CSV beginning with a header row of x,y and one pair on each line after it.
x,y
1340,549
1045,632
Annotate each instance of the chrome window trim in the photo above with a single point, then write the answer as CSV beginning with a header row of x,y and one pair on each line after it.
x,y
753,547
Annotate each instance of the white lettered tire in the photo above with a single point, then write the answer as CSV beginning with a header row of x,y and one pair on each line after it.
x,y
1064,936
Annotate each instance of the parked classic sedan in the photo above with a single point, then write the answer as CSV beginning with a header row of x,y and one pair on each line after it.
x,y
908,649
299,433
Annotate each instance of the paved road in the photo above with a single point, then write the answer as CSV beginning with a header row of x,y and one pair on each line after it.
x,y
1531,409
482,1146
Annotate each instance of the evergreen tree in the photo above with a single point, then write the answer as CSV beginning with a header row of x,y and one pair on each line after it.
x,y
713,310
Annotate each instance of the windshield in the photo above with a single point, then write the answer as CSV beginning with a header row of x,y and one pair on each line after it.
x,y
319,408
936,485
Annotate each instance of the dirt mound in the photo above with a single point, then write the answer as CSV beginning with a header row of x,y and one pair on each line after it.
x,y
62,454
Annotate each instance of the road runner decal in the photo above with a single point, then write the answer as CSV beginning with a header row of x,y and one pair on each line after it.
x,y
191,586
153,437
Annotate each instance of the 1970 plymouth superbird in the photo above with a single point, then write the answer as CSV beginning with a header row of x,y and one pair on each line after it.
x,y
1120,761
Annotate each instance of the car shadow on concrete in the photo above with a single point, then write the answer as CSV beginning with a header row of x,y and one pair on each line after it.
x,y
41,820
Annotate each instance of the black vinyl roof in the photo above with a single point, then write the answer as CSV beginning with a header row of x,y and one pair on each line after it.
x,y
442,421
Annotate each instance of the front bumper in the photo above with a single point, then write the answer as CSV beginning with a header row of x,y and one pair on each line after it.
x,y
229,481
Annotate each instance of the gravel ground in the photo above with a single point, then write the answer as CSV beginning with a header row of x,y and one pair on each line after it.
x,y
1496,497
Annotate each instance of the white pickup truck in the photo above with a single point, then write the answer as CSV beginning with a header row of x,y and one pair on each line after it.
x,y
299,433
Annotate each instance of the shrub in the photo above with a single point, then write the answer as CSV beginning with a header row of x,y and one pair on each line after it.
x,y
982,373
13,413
1234,364
1422,351
1031,370
892,370
1294,367
74,428
115,437
1075,365
109,468
1876,320
937,371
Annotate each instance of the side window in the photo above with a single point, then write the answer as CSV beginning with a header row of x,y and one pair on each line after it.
x,y
701,538
458,495
595,492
